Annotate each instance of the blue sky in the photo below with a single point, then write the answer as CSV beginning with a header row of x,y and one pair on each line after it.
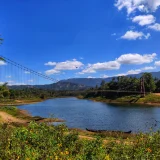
x,y
83,38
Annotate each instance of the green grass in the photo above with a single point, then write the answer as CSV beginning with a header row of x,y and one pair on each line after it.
x,y
137,99
150,98
10,110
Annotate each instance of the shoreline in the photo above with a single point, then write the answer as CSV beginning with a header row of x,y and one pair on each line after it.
x,y
20,102
110,101
24,115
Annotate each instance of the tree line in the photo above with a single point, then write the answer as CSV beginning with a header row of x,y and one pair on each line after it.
x,y
125,83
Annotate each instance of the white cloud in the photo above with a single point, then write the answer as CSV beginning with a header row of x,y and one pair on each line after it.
x,y
11,83
136,71
138,5
51,71
50,64
27,72
119,75
8,76
148,68
155,27
135,58
104,76
133,35
62,66
92,68
30,80
157,63
1,83
143,20
90,77
2,63
68,65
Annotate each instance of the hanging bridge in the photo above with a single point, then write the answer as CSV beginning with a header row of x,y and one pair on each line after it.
x,y
14,73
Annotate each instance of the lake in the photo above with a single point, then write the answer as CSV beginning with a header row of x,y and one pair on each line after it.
x,y
80,113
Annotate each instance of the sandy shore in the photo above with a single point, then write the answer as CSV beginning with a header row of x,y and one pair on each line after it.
x,y
7,118
20,102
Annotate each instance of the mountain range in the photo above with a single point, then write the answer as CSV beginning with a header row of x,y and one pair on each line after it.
x,y
80,83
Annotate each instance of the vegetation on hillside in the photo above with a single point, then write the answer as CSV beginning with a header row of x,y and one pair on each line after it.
x,y
124,83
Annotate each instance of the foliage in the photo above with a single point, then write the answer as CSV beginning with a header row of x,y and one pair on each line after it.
x,y
149,82
124,83
10,110
150,98
41,141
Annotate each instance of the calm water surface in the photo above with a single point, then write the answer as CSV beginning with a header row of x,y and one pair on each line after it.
x,y
96,115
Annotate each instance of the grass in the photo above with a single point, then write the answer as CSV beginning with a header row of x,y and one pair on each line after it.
x,y
10,110
150,98
134,99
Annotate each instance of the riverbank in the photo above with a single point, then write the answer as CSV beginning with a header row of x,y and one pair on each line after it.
x,y
152,99
13,115
18,102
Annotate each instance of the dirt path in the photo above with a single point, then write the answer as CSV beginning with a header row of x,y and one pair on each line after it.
x,y
5,117
157,94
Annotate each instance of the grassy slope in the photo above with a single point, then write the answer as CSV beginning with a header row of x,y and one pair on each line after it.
x,y
148,99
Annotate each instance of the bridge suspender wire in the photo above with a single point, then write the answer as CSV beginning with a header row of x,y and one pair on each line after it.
x,y
27,70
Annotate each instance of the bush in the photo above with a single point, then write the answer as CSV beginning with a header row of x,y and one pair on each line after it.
x,y
41,141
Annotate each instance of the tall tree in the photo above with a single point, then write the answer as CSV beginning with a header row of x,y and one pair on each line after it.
x,y
149,82
103,84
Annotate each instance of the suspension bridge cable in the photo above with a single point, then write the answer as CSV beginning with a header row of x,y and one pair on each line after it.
x,y
27,69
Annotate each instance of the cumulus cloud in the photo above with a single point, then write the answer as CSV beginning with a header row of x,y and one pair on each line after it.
x,y
90,77
68,65
135,58
104,76
143,20
138,5
136,71
50,64
62,66
30,80
8,76
92,68
51,71
157,63
155,27
2,63
133,35
27,72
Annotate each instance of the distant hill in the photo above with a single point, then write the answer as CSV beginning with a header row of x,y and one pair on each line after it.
x,y
54,86
79,83
92,82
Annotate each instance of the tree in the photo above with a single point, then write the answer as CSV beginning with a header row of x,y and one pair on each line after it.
x,y
149,82
103,84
